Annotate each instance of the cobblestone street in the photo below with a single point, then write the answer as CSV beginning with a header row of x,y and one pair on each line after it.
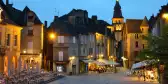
x,y
105,78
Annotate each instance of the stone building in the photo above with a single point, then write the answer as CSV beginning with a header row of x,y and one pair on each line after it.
x,y
77,38
31,35
10,33
134,42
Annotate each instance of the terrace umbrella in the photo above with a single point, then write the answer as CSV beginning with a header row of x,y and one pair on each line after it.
x,y
99,63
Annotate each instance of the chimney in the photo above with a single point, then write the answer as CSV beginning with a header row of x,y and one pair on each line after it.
x,y
45,24
94,17
7,2
55,18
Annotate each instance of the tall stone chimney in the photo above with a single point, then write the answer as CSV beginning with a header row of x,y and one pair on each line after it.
x,y
7,2
55,18
45,24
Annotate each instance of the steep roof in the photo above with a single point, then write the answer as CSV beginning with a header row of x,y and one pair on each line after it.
x,y
17,16
133,25
117,10
62,24
145,22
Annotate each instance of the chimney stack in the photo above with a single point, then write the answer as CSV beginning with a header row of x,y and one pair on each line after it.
x,y
94,17
7,2
45,24
55,18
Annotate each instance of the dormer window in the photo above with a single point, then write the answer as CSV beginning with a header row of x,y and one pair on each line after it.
x,y
30,17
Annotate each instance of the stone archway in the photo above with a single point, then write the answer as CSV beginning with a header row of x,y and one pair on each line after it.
x,y
14,62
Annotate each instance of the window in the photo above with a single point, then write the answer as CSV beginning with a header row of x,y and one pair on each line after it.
x,y
30,44
82,39
136,36
15,40
74,52
136,44
30,31
8,39
142,30
60,54
74,39
90,51
60,39
84,51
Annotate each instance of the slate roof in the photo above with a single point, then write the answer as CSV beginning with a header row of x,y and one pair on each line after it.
x,y
151,22
117,11
16,16
64,27
133,25
145,22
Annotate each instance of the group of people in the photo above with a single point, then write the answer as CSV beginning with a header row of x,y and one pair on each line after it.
x,y
103,69
149,75
26,77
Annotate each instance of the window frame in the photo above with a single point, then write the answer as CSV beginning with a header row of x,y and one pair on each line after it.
x,y
60,56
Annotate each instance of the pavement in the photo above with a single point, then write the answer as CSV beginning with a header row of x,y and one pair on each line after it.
x,y
104,78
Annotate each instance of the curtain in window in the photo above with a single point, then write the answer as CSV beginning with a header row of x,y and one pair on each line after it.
x,y
60,54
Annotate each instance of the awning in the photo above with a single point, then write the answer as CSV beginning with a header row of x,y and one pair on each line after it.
x,y
99,63
142,64
88,61
108,62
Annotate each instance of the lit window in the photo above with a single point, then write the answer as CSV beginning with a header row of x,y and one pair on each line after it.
x,y
60,39
74,39
60,54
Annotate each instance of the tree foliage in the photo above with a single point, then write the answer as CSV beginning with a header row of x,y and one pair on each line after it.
x,y
157,47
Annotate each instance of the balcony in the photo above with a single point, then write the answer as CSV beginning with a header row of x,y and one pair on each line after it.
x,y
2,51
60,45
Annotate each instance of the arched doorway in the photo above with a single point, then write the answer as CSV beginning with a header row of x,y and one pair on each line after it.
x,y
6,65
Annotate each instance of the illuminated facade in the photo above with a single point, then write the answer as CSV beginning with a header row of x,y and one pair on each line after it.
x,y
81,38
10,34
117,27
31,40
135,30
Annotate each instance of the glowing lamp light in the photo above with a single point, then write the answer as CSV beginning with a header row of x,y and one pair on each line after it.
x,y
71,58
124,58
24,51
165,15
52,35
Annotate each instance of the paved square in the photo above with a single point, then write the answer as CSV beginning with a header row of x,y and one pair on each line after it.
x,y
105,78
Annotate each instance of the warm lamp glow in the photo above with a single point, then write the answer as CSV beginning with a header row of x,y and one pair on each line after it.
x,y
71,58
165,15
24,51
52,35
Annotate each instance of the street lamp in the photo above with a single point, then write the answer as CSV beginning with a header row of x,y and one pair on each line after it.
x,y
165,15
52,36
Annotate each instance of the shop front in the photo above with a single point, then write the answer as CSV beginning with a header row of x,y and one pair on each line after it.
x,y
146,70
60,67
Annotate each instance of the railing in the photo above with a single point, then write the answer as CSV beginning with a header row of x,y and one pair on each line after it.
x,y
60,44
2,50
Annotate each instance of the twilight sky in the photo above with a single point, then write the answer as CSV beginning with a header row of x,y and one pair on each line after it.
x,y
46,9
